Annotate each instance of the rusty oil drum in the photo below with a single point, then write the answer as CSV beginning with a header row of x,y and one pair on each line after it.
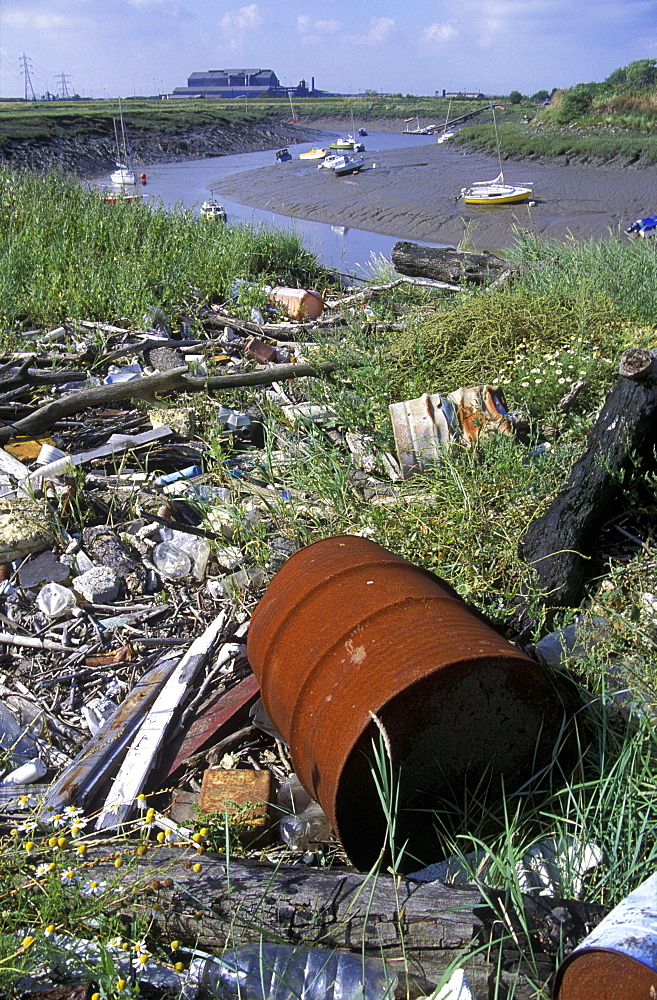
x,y
619,957
347,629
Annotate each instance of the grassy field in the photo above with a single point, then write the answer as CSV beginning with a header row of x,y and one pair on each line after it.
x,y
67,256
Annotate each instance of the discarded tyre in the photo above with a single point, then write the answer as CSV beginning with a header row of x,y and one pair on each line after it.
x,y
348,631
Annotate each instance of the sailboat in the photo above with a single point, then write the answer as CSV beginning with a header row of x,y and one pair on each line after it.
x,y
124,173
446,133
496,192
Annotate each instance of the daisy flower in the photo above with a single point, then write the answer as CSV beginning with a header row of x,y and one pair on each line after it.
x,y
68,877
93,888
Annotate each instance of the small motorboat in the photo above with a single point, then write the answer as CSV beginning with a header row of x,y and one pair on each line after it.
x,y
351,165
331,161
314,154
643,227
362,131
282,155
211,209
495,192
344,142
444,136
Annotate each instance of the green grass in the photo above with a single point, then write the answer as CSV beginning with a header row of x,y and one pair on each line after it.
x,y
66,253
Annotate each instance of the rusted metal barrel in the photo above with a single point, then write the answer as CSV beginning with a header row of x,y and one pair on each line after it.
x,y
619,958
347,630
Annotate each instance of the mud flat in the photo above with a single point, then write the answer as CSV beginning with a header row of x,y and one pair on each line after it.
x,y
412,193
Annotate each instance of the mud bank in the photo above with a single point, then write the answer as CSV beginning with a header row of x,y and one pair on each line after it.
x,y
413,193
88,148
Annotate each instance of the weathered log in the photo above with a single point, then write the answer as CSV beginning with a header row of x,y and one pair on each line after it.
x,y
446,264
559,543
420,927
146,386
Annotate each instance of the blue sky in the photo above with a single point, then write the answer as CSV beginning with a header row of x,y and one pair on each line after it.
x,y
126,47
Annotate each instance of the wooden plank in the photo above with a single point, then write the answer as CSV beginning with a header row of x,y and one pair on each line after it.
x,y
140,758
224,713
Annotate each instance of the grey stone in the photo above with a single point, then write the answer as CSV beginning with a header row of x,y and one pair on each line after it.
x,y
99,585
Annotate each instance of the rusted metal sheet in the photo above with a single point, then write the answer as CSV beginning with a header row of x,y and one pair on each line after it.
x,y
224,714
619,958
346,630
425,427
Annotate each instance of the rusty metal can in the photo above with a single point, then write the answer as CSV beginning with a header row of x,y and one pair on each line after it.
x,y
619,957
348,631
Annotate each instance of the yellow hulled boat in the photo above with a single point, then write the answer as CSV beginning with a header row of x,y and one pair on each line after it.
x,y
313,154
495,192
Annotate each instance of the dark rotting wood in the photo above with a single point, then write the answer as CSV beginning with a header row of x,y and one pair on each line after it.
x,y
425,925
447,264
559,544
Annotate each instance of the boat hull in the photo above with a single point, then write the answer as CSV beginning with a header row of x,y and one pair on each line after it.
x,y
122,176
497,194
313,154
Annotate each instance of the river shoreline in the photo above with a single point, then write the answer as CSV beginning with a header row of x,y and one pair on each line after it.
x,y
412,193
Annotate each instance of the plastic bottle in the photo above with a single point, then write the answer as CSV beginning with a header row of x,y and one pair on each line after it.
x,y
55,600
196,548
280,972
304,822
15,739
297,303
171,561
26,773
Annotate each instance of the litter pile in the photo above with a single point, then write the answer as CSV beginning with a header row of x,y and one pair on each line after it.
x,y
137,538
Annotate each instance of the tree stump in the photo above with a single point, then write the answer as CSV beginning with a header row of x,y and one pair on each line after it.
x,y
559,544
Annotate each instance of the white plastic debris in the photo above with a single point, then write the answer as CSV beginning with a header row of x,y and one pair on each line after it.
x,y
458,988
26,773
55,600
97,712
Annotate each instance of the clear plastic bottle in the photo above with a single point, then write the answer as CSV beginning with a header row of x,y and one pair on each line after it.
x,y
283,972
13,738
304,822
171,561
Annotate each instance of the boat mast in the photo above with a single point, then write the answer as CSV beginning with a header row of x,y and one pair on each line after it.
x,y
497,143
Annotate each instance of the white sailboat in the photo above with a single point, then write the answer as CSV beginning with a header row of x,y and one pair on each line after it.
x,y
124,173
496,192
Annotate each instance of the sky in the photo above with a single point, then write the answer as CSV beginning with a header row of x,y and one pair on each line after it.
x,y
133,47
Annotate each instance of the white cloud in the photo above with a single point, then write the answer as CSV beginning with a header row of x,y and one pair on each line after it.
x,y
314,32
379,30
242,19
35,20
436,35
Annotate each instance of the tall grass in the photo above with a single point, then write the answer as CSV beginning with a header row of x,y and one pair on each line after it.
x,y
67,253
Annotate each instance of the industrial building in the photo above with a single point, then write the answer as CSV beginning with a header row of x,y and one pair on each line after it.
x,y
239,83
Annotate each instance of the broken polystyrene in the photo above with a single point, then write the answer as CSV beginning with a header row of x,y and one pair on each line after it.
x,y
98,712
456,988
55,600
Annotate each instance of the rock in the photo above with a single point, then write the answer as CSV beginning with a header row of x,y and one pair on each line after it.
x,y
99,585
45,568
24,528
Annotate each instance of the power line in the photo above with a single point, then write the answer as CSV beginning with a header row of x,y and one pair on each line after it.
x,y
26,73
64,79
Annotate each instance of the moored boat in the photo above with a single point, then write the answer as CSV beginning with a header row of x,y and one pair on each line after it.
x,y
314,154
344,142
212,209
643,227
124,173
282,155
495,192
351,165
331,161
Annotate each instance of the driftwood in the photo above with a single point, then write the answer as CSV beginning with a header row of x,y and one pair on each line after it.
x,y
560,542
445,264
420,926
146,386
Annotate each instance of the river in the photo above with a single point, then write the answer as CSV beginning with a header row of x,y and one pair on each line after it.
x,y
344,248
